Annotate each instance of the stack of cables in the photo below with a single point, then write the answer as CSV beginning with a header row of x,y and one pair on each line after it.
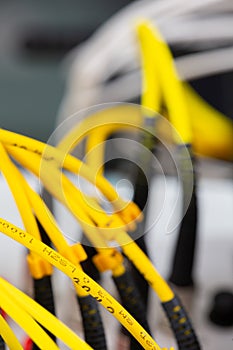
x,y
107,68
102,229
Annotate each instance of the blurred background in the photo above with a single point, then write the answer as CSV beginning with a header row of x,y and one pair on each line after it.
x,y
34,39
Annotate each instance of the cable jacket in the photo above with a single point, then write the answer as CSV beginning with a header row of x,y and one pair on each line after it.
x,y
182,266
181,325
92,323
44,296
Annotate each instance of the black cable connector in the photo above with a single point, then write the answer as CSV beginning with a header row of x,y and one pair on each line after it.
x,y
43,294
183,260
92,323
43,290
181,325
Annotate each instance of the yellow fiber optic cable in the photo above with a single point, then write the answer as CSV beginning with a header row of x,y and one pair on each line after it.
x,y
83,280
92,323
10,173
151,91
124,242
9,336
12,140
95,144
110,258
45,318
165,293
174,98
53,181
141,262
96,128
171,87
86,220
26,322
115,114
98,241
37,267
212,130
48,222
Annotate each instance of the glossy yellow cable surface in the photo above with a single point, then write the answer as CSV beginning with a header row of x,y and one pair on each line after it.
x,y
38,268
58,158
26,322
171,87
47,220
95,144
96,128
151,92
53,180
117,114
9,336
10,173
212,130
141,261
83,280
45,318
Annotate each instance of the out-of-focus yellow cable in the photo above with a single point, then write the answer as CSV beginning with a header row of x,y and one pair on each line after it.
x,y
171,87
76,253
141,261
150,102
9,336
10,173
95,144
87,223
26,322
38,267
53,180
151,92
86,219
79,277
96,128
60,159
113,259
117,114
45,318
212,130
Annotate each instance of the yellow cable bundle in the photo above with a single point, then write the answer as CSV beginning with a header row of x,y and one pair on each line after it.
x,y
26,311
83,280
87,221
38,267
169,82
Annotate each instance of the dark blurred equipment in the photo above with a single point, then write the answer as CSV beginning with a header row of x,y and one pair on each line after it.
x,y
221,312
